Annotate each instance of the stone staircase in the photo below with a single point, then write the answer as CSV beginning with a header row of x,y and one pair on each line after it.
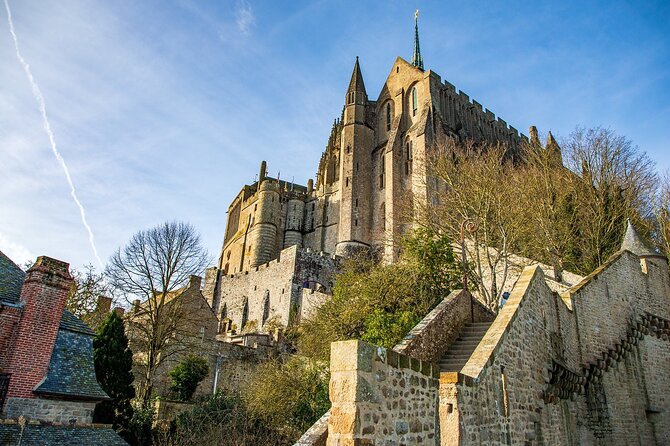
x,y
459,352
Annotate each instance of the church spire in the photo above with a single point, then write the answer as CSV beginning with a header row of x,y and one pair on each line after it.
x,y
356,83
417,61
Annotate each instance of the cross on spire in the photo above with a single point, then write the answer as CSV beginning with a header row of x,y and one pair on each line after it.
x,y
417,61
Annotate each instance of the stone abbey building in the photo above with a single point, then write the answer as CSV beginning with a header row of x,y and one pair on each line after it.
x,y
372,168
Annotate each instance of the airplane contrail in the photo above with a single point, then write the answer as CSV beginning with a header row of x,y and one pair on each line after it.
x,y
37,93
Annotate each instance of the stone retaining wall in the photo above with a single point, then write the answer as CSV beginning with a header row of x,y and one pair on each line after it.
x,y
381,397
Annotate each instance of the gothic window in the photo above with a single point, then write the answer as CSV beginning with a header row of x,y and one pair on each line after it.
x,y
245,314
415,101
388,116
382,171
266,306
409,157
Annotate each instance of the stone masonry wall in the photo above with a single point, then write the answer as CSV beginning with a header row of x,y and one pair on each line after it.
x,y
55,411
381,397
431,337
281,282
586,368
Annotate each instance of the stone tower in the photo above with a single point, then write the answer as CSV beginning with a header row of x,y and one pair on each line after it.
x,y
356,146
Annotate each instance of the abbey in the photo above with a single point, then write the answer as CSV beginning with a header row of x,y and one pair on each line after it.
x,y
373,168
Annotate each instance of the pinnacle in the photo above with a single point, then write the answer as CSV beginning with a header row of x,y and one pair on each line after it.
x,y
551,142
634,243
356,83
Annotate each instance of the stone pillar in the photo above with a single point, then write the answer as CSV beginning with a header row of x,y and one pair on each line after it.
x,y
43,295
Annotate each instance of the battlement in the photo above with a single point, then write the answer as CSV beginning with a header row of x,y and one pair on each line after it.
x,y
486,115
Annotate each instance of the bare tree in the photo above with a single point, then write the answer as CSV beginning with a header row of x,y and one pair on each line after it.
x,y
151,267
662,214
87,288
480,183
616,181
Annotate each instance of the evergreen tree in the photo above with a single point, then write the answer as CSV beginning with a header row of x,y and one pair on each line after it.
x,y
113,368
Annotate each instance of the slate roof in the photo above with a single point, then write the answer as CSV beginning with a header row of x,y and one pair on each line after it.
x,y
71,373
72,323
49,435
633,242
11,280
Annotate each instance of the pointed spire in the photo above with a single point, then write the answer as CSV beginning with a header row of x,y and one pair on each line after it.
x,y
417,61
356,83
553,148
634,243
534,138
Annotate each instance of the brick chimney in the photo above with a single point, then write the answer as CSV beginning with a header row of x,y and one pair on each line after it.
x,y
44,293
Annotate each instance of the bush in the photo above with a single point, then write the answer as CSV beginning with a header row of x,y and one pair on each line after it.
x,y
381,303
289,396
221,420
186,376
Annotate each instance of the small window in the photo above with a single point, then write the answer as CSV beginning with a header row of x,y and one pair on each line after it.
x,y
348,149
415,101
356,167
312,207
356,202
356,222
347,182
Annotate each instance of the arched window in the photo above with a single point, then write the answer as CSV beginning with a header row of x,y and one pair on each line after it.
x,y
415,101
245,314
266,306
388,116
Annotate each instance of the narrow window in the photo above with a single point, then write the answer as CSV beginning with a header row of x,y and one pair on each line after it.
x,y
224,311
312,207
408,158
382,214
348,149
245,314
356,222
347,182
255,207
356,202
388,117
415,102
382,171
266,306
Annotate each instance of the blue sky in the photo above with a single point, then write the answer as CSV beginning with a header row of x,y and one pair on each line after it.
x,y
163,109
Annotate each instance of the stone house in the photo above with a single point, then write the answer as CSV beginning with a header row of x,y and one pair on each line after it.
x,y
48,387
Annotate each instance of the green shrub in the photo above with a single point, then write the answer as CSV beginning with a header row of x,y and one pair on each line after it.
x,y
186,376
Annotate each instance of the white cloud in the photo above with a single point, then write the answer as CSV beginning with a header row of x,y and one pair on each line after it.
x,y
244,17
17,253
